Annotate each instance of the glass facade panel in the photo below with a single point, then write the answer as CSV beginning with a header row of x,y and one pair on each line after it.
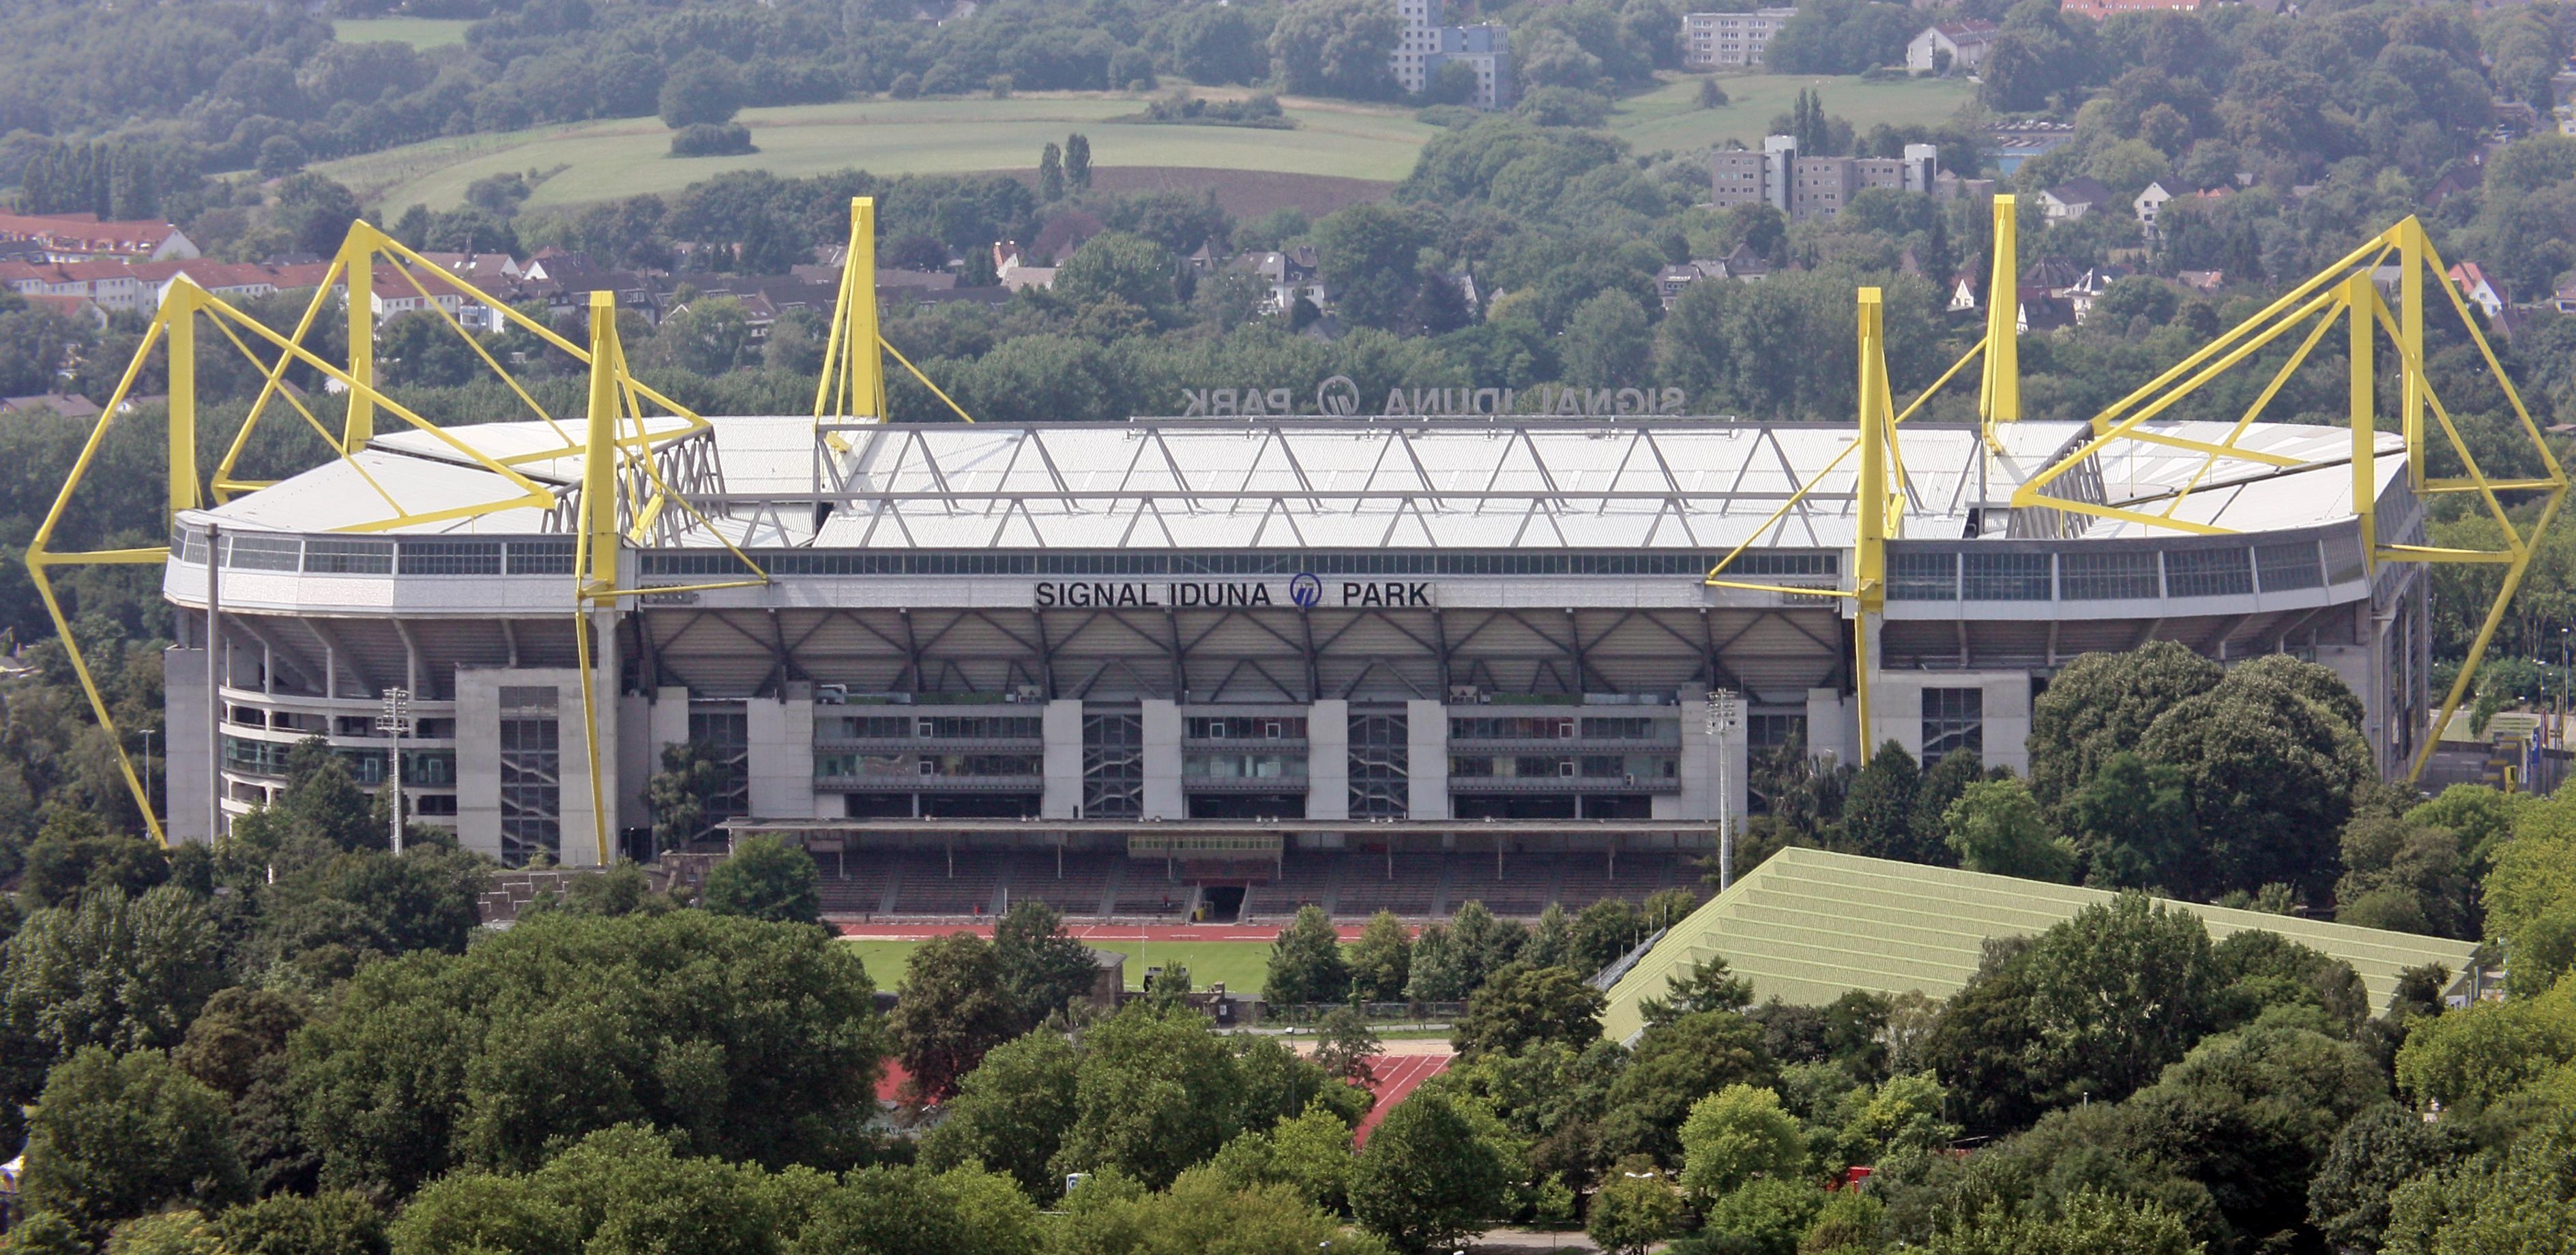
x,y
2208,573
1380,765
1113,766
1923,577
1953,719
2108,577
2288,566
2007,577
531,789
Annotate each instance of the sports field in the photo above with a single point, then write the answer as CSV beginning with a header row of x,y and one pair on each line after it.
x,y
1240,964
422,33
599,160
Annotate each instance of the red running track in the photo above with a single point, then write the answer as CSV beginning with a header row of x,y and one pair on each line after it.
x,y
1397,1075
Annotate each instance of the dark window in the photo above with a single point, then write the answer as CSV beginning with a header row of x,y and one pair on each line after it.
x,y
1953,719
541,557
1923,576
1767,732
2288,566
1380,767
2007,577
450,557
348,557
1113,766
2108,577
728,732
531,789
2208,573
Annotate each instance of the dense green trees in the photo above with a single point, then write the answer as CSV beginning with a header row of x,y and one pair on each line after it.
x,y
1306,962
115,1137
752,1040
1426,1177
765,878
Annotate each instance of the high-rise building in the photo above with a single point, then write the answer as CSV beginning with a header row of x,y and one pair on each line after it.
x,y
1814,187
1425,46
1712,41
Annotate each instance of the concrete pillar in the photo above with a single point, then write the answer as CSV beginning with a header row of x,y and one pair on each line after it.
x,y
670,719
580,845
1163,761
638,756
478,760
780,736
1426,757
1328,760
1832,726
183,753
2007,707
1061,724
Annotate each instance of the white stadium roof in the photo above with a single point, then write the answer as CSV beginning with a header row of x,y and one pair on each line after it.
x,y
1317,483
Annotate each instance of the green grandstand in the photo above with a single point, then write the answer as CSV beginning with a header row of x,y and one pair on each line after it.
x,y
1807,926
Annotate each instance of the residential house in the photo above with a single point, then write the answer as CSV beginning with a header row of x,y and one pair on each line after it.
x,y
2040,312
1951,47
1670,281
2563,299
2073,198
2201,280
1290,275
1746,266
82,237
1814,187
1715,41
1062,234
2478,290
2089,287
1963,290
2148,204
66,405
79,309
2101,9
1017,275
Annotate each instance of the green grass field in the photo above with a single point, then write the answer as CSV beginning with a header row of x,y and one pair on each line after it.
x,y
627,156
422,33
1240,964
1669,116
622,157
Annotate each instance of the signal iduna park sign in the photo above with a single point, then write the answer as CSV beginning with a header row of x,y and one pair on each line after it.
x,y
1303,591
1339,397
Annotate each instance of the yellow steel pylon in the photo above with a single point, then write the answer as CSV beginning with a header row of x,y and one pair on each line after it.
x,y
852,388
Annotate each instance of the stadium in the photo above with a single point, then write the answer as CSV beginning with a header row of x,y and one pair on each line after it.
x,y
1216,667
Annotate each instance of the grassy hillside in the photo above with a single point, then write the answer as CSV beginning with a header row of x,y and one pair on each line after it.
x,y
1669,117
422,33
622,157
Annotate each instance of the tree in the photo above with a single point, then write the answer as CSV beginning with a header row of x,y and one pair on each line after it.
x,y
693,774
1878,814
1306,962
75,852
1041,967
1077,162
1345,1047
1120,266
1051,173
2132,823
1381,960
1735,1135
2373,1154
1632,1212
1520,1004
1996,828
1551,944
239,1032
334,1222
1607,342
112,1139
1766,1216
1426,1178
1606,930
1337,48
766,879
951,1009
1708,986
2271,771
1010,1113
1437,970
911,1211
1943,781
700,91
1675,1065
2102,704
622,1190
1367,254
752,1040
1485,942
108,972
2088,1221
1155,1092
1711,96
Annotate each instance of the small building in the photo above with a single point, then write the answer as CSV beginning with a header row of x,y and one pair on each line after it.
x,y
1670,281
63,404
1951,47
2147,205
1423,46
1108,978
82,237
2073,199
1728,41
2099,10
2475,288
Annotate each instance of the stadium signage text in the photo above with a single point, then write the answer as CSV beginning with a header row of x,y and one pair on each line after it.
x,y
1339,397
1304,591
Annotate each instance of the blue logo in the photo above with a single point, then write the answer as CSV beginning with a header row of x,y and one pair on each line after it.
x,y
1306,590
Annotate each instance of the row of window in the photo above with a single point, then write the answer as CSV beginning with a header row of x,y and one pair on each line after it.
x,y
1561,728
809,562
2112,576
936,727
927,766
1245,728
424,768
1632,767
319,555
1281,767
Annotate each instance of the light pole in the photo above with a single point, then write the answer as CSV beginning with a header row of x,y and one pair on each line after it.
x,y
1724,707
395,721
